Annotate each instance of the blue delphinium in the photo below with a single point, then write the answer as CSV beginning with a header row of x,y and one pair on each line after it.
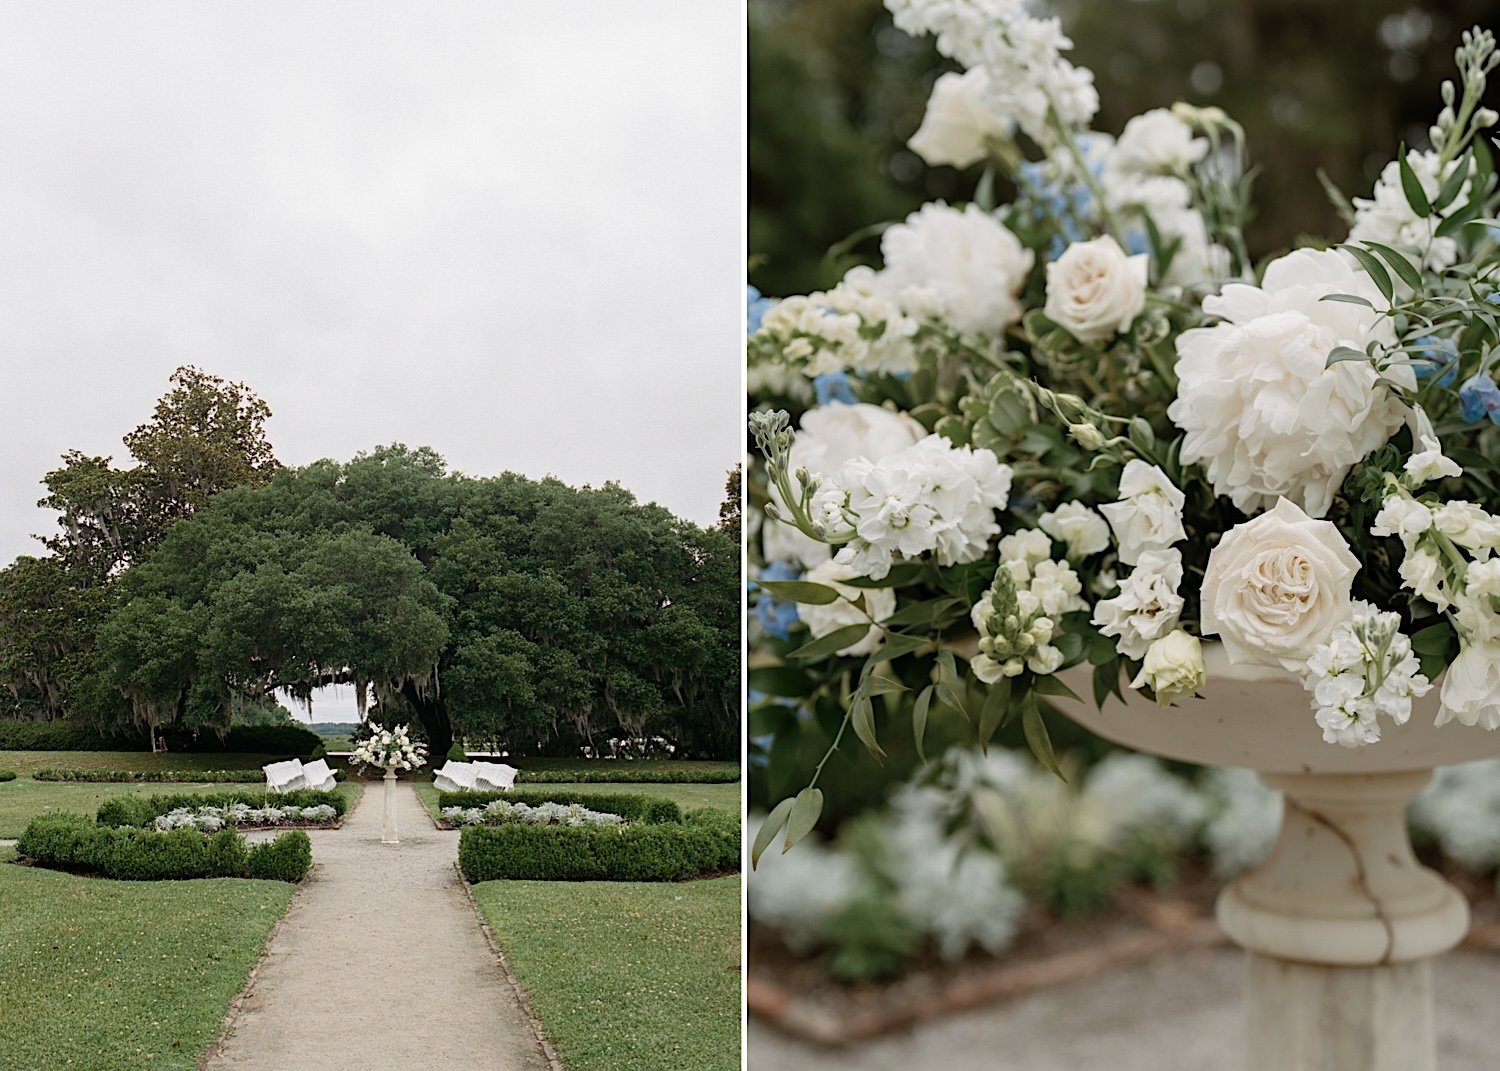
x,y
1437,357
775,616
756,307
834,387
1479,398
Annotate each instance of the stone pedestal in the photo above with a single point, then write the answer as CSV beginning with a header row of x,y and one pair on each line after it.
x,y
388,829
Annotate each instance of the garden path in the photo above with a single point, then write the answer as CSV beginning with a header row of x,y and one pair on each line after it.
x,y
380,963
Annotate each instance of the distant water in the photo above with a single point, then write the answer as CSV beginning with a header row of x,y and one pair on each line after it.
x,y
336,702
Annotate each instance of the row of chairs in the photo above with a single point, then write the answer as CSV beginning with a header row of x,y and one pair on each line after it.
x,y
476,776
293,773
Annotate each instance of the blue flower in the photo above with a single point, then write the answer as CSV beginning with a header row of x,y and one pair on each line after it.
x,y
1479,398
1436,355
1137,241
756,308
775,616
834,387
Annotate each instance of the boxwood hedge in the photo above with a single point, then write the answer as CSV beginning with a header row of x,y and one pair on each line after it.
x,y
621,773
251,777
143,810
72,842
7,775
704,842
631,808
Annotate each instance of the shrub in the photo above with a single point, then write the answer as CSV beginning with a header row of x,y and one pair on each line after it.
x,y
287,857
456,753
143,810
289,740
7,775
647,809
662,851
64,736
602,772
61,841
249,777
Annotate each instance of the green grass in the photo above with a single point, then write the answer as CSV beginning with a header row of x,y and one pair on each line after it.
x,y
102,975
627,976
23,799
725,797
27,762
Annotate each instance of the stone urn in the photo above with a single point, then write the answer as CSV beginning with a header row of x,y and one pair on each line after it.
x,y
1341,923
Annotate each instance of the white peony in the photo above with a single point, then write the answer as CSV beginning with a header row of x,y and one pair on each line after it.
x,y
1277,586
1471,687
958,122
1095,289
1074,524
1147,607
1173,668
961,266
1149,513
1157,143
880,603
1261,409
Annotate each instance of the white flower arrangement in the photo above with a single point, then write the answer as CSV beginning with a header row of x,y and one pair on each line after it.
x,y
1135,440
390,749
213,819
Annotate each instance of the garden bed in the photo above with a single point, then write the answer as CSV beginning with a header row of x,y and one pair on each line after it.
x,y
143,811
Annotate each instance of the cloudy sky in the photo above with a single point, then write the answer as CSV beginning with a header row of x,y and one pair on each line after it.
x,y
510,231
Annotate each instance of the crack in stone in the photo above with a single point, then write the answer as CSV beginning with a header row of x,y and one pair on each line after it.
x,y
1359,873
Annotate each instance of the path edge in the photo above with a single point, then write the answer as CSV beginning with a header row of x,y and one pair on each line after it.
x,y
522,997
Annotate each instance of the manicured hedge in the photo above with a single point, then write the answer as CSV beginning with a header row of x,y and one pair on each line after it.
x,y
143,810
293,741
71,842
64,736
7,775
167,777
705,842
631,808
281,740
620,773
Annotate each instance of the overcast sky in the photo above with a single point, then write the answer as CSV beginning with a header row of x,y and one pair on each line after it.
x,y
508,230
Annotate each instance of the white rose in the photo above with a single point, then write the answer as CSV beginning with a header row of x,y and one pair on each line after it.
x,y
1149,513
1471,687
957,123
1073,523
1095,290
1157,142
1173,668
1262,410
1276,587
821,620
958,265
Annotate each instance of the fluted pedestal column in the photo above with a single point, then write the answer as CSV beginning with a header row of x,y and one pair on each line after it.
x,y
388,829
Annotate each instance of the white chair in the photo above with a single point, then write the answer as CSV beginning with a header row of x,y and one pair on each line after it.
x,y
318,775
284,776
494,776
454,777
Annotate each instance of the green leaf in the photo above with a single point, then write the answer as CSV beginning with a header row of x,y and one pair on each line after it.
x,y
1469,213
1454,183
784,681
926,612
984,194
919,719
1415,195
832,643
1345,353
1106,676
875,684
802,591
806,809
996,705
1336,197
1037,739
947,669
1101,649
1050,685
900,576
862,716
1399,264
1349,299
775,822
1434,640
897,644
1373,268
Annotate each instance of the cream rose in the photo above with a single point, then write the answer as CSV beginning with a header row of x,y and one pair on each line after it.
x,y
1471,687
1173,668
821,620
957,123
1276,586
1095,290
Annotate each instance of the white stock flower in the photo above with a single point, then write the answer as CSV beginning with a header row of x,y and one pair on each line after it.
x,y
1402,516
1095,289
958,121
1158,143
1471,687
1421,571
1173,668
1276,586
1366,668
1147,607
1148,515
1029,545
880,603
1261,409
1430,463
1469,526
1387,216
961,266
1074,524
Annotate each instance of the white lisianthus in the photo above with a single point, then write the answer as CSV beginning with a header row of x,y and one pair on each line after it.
x,y
1262,411
1173,668
1074,524
1157,143
1387,216
958,122
961,266
1147,607
880,603
1276,587
1030,545
1471,687
1149,513
1095,289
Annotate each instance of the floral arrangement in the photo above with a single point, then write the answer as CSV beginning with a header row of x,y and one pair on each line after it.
x,y
501,812
390,749
213,819
1083,429
631,747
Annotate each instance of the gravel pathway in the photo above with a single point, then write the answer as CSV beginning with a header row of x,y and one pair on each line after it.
x,y
380,963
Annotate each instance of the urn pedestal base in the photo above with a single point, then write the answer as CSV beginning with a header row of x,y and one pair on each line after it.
x,y
388,827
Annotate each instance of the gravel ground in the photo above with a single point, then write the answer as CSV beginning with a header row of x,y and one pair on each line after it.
x,y
1178,1014
380,963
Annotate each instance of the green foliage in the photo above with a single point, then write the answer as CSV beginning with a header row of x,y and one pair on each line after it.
x,y
620,773
286,857
142,810
247,777
663,851
456,753
649,809
7,775
60,736
872,939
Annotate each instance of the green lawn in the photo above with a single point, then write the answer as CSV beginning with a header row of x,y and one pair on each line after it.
x,y
100,975
23,799
726,796
26,762
627,976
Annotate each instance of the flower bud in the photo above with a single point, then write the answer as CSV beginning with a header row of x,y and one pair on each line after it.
x,y
1087,436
